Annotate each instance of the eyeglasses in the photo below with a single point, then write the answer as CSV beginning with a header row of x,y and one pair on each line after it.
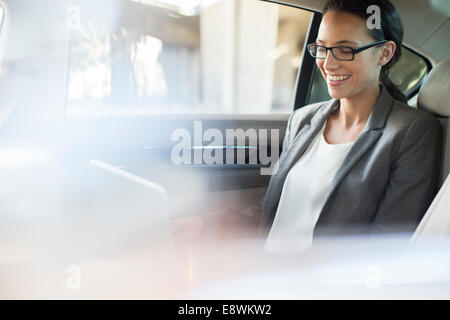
x,y
342,53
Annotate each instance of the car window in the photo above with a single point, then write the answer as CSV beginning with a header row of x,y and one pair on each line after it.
x,y
407,74
409,71
184,56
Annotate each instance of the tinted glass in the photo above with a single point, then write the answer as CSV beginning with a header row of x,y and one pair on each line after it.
x,y
184,56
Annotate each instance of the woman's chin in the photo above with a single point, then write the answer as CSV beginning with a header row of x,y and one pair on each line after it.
x,y
337,93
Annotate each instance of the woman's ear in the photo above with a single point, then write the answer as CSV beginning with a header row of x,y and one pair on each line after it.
x,y
387,52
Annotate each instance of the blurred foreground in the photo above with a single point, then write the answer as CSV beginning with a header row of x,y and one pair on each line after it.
x,y
214,260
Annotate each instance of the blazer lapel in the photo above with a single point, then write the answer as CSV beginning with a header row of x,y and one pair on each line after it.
x,y
299,144
304,137
359,148
362,144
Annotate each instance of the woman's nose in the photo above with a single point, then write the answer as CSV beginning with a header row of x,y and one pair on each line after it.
x,y
330,61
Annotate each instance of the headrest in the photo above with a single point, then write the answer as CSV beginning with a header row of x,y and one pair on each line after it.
x,y
434,95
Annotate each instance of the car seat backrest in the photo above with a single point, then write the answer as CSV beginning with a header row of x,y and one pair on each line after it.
x,y
434,97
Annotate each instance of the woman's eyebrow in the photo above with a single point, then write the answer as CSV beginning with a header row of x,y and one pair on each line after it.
x,y
340,42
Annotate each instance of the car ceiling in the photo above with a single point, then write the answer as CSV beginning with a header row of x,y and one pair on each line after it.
x,y
426,24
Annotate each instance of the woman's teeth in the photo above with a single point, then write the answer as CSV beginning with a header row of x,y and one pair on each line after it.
x,y
336,78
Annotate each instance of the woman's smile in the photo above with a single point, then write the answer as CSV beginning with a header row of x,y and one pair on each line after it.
x,y
335,80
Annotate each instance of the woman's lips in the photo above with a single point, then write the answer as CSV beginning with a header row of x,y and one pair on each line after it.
x,y
337,80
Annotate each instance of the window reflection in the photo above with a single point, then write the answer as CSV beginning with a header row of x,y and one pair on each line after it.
x,y
409,70
216,56
2,17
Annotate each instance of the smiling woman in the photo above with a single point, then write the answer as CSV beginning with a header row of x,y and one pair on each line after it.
x,y
363,162
362,32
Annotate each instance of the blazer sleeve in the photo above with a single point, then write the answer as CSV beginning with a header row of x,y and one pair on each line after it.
x,y
413,180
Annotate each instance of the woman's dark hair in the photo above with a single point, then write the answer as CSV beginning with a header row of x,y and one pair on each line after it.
x,y
391,29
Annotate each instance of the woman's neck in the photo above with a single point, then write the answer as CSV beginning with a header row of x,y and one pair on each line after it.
x,y
355,111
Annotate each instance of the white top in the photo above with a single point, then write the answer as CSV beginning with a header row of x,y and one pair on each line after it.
x,y
303,195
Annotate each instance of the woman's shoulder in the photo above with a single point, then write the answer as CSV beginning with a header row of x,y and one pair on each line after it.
x,y
403,116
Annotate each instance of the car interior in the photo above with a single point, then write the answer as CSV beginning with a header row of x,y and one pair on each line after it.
x,y
111,87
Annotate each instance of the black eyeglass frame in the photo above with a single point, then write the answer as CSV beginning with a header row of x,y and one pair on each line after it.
x,y
353,50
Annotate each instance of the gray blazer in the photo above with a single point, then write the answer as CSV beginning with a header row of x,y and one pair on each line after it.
x,y
385,183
